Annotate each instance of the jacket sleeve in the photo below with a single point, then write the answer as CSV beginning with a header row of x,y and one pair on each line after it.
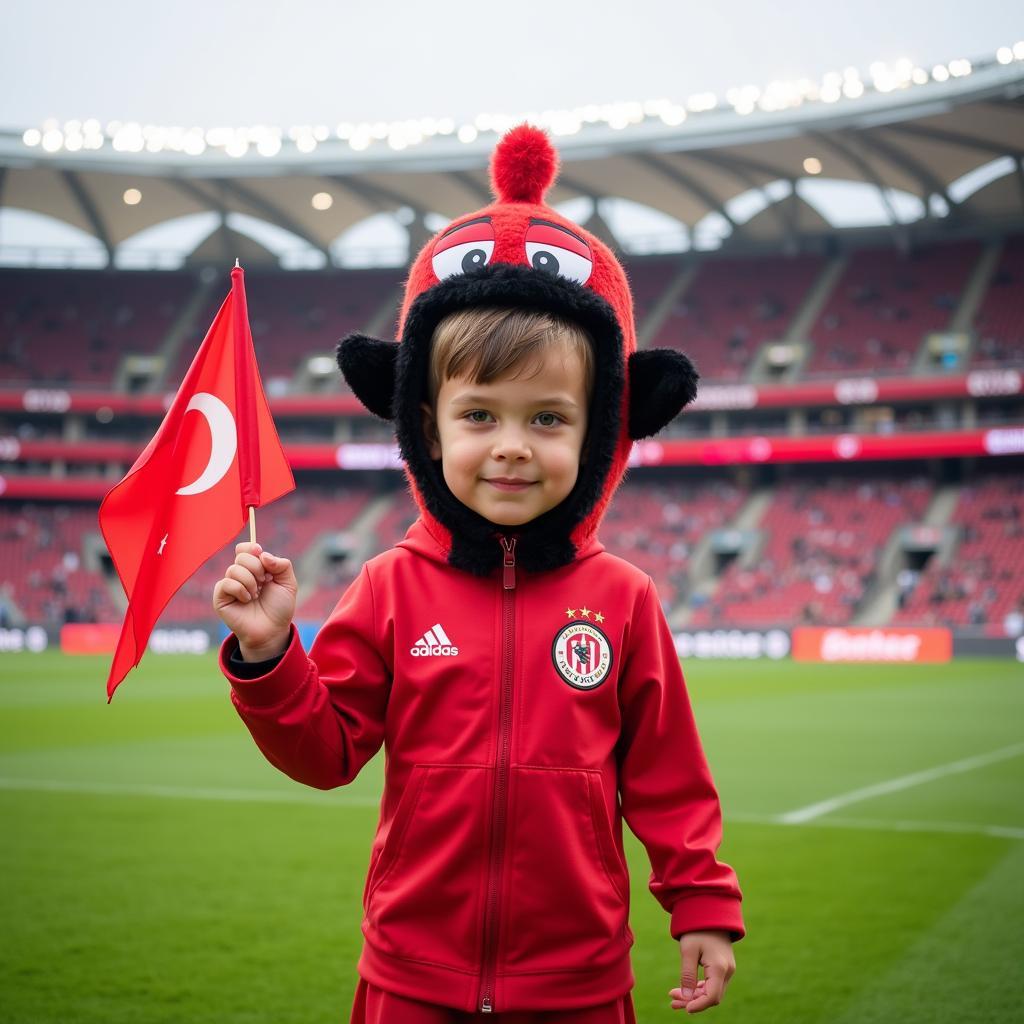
x,y
320,717
668,797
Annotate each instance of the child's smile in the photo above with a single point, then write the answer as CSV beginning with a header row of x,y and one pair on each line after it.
x,y
510,449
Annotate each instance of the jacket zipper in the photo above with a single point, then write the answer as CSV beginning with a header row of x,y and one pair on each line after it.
x,y
508,586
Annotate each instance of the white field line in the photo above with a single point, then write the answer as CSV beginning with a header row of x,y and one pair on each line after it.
x,y
344,799
298,796
812,811
884,825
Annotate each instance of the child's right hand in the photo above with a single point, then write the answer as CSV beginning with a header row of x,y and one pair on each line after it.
x,y
256,600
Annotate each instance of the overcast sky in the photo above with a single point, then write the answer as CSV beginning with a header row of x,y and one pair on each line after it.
x,y
212,62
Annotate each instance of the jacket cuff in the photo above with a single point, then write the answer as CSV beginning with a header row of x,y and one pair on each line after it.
x,y
705,912
283,676
250,669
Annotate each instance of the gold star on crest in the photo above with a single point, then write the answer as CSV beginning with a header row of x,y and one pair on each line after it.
x,y
598,617
585,613
570,613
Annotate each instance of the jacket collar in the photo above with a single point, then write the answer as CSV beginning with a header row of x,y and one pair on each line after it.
x,y
428,538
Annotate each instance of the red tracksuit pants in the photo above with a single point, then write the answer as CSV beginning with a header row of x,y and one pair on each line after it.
x,y
375,1006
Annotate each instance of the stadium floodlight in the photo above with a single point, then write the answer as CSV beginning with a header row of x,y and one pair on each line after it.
x,y
132,197
269,145
674,116
777,96
322,201
812,165
218,137
700,102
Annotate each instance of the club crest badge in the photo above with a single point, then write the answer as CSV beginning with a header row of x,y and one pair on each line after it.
x,y
582,655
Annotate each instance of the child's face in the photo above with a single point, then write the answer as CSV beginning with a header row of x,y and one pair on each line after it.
x,y
529,430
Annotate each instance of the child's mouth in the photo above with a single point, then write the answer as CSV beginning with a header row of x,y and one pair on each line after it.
x,y
506,485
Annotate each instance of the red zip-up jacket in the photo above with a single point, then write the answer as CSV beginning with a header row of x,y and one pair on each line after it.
x,y
523,716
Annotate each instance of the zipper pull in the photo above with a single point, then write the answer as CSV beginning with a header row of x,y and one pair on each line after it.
x,y
486,1006
509,575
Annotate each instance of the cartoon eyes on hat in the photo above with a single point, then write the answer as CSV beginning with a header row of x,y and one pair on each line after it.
x,y
463,249
554,250
550,248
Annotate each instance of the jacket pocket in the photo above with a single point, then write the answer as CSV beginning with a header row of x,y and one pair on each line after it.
x,y
388,855
567,902
423,899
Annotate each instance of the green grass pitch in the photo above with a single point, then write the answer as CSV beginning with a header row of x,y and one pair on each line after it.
x,y
155,868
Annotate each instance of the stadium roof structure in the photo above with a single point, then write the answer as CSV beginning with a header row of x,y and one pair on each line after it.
x,y
942,150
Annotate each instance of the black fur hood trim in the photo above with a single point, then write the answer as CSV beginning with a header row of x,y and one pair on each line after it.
x,y
545,542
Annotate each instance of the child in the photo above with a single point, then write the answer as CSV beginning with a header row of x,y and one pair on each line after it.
x,y
523,681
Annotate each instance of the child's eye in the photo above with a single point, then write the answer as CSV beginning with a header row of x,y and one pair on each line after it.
x,y
477,412
553,419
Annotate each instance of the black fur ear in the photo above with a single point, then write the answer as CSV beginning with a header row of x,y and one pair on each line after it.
x,y
661,382
368,365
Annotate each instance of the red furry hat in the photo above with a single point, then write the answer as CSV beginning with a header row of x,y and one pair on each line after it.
x,y
518,252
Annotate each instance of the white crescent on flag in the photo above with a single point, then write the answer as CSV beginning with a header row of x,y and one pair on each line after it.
x,y
224,441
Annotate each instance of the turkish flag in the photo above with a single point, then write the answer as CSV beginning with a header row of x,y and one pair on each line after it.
x,y
215,454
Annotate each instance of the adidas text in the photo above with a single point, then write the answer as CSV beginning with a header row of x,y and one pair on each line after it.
x,y
422,652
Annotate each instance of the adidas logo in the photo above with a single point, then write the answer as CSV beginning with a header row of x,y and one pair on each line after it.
x,y
434,641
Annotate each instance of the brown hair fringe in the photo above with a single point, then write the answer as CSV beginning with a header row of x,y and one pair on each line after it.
x,y
485,343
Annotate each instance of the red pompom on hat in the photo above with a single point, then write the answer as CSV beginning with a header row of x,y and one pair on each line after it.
x,y
523,166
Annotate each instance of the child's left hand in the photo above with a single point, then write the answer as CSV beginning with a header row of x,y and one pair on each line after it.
x,y
713,950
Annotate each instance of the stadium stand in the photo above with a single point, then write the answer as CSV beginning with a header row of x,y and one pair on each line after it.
x,y
821,537
983,582
648,280
821,544
732,307
60,328
884,304
296,314
45,578
999,323
656,526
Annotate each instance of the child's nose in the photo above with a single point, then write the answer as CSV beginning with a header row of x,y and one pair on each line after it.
x,y
511,444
